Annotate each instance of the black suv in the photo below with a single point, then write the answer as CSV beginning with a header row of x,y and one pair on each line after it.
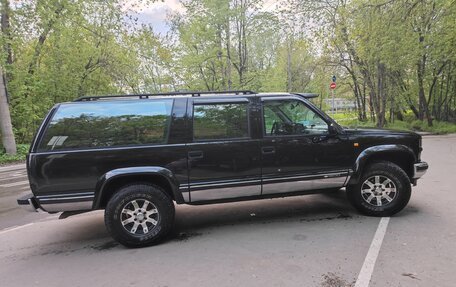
x,y
134,155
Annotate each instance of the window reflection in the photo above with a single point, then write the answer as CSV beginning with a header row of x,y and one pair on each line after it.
x,y
291,117
105,124
220,121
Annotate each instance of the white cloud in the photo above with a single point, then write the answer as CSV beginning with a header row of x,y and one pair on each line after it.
x,y
154,14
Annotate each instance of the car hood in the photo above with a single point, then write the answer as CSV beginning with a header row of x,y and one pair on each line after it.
x,y
380,132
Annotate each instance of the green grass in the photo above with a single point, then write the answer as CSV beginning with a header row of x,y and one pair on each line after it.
x,y
22,150
350,120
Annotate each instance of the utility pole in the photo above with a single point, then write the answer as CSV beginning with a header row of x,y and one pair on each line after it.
x,y
333,87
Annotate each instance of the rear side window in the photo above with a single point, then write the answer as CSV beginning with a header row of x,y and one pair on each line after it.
x,y
220,121
107,124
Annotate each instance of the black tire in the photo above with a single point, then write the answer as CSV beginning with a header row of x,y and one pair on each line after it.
x,y
139,193
399,180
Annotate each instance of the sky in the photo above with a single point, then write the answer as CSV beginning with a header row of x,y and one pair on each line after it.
x,y
155,14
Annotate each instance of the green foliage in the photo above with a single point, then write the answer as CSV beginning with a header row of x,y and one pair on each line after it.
x,y
389,56
22,150
409,124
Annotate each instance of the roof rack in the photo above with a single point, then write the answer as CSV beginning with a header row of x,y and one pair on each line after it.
x,y
146,96
306,95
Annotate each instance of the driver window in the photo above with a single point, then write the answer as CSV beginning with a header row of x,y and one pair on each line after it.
x,y
291,117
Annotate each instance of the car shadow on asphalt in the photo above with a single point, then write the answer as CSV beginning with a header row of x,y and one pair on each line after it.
x,y
305,208
90,233
87,230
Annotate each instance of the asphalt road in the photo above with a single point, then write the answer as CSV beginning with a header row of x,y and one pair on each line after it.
x,y
314,240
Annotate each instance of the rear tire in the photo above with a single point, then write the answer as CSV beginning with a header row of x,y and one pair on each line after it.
x,y
383,190
139,214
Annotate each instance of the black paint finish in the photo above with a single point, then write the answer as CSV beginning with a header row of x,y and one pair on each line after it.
x,y
189,166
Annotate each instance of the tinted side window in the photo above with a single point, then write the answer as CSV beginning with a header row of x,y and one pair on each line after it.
x,y
220,121
291,117
106,124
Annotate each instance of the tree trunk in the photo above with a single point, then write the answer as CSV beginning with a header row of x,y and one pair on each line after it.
x,y
423,107
289,76
228,49
6,128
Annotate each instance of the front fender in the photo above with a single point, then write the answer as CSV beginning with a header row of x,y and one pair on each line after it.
x,y
108,177
366,154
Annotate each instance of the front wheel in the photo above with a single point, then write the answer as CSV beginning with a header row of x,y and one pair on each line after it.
x,y
139,215
383,190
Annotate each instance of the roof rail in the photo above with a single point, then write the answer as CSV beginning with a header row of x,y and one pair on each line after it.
x,y
306,95
146,96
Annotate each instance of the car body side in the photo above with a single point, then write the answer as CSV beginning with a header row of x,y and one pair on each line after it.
x,y
85,179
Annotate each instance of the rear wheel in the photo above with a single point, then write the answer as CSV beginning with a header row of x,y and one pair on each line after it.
x,y
383,190
139,215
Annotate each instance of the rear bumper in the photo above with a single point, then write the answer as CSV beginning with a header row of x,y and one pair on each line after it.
x,y
419,169
28,202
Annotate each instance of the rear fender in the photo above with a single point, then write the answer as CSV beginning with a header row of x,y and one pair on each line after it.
x,y
104,181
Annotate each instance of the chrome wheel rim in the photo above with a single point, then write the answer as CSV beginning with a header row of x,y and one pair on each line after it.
x,y
378,190
139,216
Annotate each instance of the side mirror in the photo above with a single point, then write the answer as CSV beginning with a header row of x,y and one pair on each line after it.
x,y
332,130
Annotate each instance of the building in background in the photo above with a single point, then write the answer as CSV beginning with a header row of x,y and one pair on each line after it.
x,y
340,104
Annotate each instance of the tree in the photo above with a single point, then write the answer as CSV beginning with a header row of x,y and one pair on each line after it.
x,y
6,128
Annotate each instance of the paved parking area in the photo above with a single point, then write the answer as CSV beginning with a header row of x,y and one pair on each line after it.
x,y
316,240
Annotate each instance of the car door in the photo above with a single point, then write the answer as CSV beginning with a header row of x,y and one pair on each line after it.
x,y
223,159
298,150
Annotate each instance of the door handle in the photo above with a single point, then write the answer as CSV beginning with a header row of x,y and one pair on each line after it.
x,y
268,150
196,154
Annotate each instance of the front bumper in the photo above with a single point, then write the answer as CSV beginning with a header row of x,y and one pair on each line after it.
x,y
419,169
28,202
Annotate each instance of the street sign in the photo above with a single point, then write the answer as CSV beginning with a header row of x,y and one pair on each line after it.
x,y
334,78
332,86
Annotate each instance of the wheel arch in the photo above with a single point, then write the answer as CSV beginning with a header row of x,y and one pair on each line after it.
x,y
401,155
112,180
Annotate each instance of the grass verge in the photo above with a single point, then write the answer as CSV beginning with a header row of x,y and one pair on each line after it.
x,y
22,150
410,124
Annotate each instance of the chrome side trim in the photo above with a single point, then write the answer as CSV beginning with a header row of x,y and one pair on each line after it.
x,y
66,202
110,148
67,206
312,176
252,187
419,169
65,195
301,185
225,183
65,198
225,192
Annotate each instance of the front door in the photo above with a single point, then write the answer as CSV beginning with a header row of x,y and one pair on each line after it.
x,y
298,151
224,161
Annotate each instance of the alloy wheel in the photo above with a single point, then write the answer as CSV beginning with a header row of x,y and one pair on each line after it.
x,y
139,216
378,190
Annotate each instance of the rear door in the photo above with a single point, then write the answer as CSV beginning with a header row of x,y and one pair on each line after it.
x,y
223,159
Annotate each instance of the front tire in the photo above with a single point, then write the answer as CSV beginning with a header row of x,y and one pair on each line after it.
x,y
139,215
383,190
